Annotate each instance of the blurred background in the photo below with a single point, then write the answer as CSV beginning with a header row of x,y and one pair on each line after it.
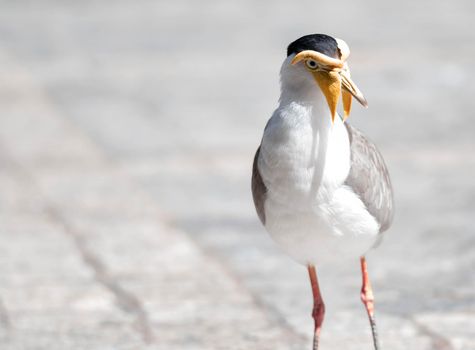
x,y
127,133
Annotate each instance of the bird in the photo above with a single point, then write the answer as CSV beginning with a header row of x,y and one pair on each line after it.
x,y
320,187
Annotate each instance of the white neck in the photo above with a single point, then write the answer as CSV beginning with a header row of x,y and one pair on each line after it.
x,y
302,124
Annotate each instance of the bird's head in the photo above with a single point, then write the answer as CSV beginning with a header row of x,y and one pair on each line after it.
x,y
324,58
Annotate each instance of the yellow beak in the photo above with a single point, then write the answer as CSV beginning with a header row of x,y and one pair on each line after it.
x,y
332,84
349,86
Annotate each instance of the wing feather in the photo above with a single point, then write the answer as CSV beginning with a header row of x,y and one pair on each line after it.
x,y
259,190
369,178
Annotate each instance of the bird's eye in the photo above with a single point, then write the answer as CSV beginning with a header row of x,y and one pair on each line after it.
x,y
311,64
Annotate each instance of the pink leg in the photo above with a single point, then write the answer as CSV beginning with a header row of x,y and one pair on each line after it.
x,y
318,312
367,298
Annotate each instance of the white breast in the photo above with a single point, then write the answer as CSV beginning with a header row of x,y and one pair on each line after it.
x,y
304,161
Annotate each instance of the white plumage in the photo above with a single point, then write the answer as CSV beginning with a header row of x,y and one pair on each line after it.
x,y
304,161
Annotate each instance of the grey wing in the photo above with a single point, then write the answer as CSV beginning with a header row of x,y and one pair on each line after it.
x,y
259,189
369,178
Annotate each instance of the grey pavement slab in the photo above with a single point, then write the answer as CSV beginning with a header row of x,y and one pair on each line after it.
x,y
127,134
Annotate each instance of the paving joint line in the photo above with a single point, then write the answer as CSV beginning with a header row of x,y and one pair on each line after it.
x,y
438,342
4,316
126,300
271,313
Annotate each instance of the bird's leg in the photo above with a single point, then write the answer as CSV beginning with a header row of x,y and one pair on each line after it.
x,y
318,306
367,298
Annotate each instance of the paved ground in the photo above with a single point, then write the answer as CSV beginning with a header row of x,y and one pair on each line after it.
x,y
127,131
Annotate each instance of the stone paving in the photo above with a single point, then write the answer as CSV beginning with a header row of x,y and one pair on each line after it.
x,y
127,132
